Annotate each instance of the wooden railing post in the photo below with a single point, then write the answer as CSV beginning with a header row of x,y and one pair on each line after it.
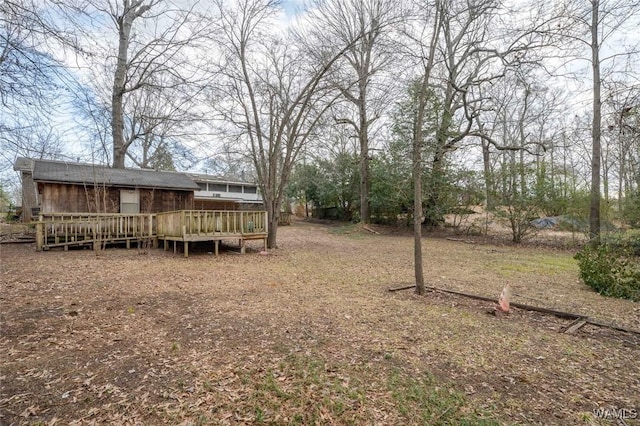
x,y
39,234
94,232
153,240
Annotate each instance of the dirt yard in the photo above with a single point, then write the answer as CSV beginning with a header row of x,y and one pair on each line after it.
x,y
308,334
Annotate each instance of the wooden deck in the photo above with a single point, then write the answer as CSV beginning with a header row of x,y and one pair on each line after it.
x,y
211,225
93,229
184,226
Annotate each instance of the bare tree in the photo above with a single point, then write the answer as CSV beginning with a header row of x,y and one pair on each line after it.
x,y
459,49
29,32
430,28
597,24
596,149
150,54
621,105
274,97
33,79
370,22
158,116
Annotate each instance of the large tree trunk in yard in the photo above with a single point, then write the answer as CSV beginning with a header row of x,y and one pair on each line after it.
x,y
131,11
273,232
365,214
117,94
117,132
273,215
417,214
594,208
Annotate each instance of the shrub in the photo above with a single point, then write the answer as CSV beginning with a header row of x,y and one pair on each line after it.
x,y
611,270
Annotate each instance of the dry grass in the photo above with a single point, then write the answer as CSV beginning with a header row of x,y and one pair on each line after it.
x,y
307,335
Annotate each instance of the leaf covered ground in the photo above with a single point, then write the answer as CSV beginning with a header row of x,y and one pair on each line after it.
x,y
307,335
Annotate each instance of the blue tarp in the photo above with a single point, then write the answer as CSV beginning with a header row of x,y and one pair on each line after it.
x,y
553,221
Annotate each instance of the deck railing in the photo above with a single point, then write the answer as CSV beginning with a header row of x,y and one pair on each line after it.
x,y
186,223
74,229
66,229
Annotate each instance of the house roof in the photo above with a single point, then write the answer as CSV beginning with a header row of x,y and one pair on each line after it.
x,y
199,177
89,174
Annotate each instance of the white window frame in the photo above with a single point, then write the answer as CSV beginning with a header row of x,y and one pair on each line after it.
x,y
129,201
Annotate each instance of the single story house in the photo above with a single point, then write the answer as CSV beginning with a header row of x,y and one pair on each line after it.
x,y
68,187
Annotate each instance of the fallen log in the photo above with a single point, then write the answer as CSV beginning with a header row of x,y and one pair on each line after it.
x,y
574,326
366,228
18,241
406,287
560,314
460,240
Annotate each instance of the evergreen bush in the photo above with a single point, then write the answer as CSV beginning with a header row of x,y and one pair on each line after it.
x,y
611,269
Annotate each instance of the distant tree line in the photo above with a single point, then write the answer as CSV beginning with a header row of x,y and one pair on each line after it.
x,y
373,108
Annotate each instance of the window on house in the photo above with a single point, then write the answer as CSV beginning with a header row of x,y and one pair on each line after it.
x,y
235,188
219,187
129,201
250,190
203,186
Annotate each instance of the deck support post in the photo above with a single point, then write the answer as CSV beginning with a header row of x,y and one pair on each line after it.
x,y
166,244
242,247
216,244
186,249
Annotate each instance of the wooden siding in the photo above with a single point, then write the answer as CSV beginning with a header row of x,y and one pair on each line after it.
x,y
29,196
64,198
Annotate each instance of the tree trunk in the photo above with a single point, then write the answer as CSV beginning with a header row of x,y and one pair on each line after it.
x,y
621,175
488,177
117,93
522,176
363,136
417,203
433,209
273,214
365,213
433,212
594,208
272,233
